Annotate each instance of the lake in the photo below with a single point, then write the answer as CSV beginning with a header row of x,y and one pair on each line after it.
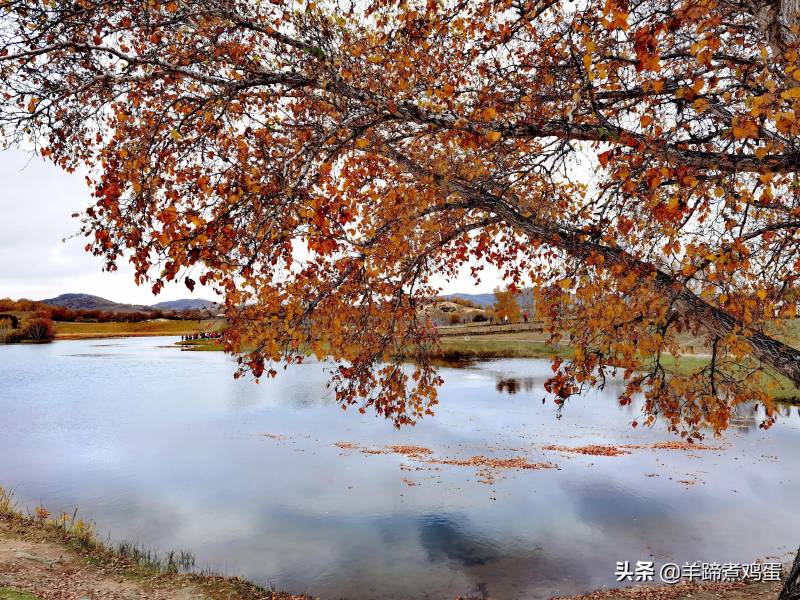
x,y
165,448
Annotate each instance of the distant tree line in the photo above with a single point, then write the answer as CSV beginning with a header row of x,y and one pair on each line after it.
x,y
94,315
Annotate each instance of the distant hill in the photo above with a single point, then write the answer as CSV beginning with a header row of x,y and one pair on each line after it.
x,y
90,302
479,299
188,304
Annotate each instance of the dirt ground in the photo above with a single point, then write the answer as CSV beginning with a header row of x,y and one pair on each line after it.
x,y
52,572
684,591
33,560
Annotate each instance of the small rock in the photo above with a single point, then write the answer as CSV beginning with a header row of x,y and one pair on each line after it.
x,y
39,559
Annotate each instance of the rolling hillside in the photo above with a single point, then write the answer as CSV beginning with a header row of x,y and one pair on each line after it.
x,y
187,304
484,300
90,302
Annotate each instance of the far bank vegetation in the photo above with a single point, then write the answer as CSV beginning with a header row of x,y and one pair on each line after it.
x,y
510,306
29,321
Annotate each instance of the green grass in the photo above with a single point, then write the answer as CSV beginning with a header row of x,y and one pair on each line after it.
x,y
515,345
10,594
687,364
488,346
532,344
200,345
74,331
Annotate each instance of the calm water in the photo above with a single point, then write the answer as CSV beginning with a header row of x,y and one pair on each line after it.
x,y
165,448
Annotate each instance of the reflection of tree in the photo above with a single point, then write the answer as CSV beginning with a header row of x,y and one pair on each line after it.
x,y
512,385
496,569
745,416
749,415
445,539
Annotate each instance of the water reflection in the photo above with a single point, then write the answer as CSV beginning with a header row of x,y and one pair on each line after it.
x,y
745,416
164,447
445,539
512,385
453,539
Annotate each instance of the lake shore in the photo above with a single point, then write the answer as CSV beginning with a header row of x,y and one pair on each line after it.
x,y
457,349
165,327
42,557
355,491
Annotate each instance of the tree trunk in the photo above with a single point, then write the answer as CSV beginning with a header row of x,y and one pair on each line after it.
x,y
777,20
782,358
791,585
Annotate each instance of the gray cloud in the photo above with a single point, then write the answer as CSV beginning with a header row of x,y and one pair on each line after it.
x,y
41,257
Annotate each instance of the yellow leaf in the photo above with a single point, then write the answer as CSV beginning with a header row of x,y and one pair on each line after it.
x,y
492,136
761,294
792,93
362,143
565,283
761,152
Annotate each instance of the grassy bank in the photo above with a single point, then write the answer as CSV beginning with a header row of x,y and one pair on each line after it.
x,y
497,346
201,345
45,544
78,331
531,344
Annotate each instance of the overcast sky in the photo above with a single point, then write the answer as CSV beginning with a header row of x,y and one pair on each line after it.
x,y
38,259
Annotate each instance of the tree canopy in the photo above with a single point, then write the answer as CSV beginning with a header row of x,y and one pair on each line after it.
x,y
506,305
634,160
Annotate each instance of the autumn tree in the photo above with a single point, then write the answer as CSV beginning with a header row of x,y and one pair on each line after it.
x,y
506,306
634,160
7,326
39,329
